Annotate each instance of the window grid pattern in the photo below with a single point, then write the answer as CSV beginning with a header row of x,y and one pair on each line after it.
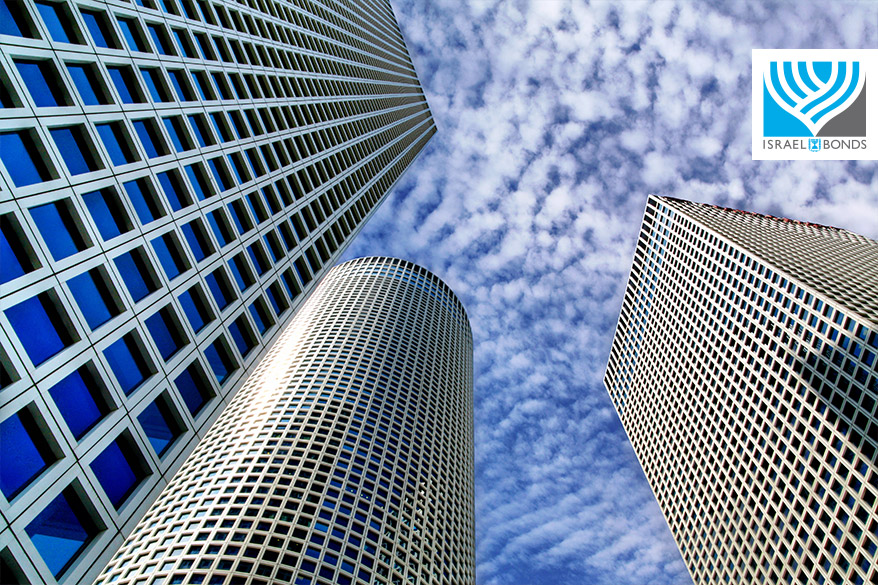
x,y
758,435
205,131
347,456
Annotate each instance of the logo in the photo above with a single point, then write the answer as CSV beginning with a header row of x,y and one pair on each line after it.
x,y
813,105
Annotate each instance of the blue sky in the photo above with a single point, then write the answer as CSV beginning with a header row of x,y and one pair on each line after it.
x,y
556,119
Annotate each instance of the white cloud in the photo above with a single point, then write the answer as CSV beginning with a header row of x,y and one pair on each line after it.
x,y
556,119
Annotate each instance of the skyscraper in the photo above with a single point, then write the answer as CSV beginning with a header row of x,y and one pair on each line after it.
x,y
346,457
175,176
743,370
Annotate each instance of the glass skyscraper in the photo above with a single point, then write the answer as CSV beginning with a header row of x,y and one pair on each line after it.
x,y
347,456
175,176
744,371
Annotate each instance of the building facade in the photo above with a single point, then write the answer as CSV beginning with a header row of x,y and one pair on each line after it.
x,y
743,371
347,456
175,176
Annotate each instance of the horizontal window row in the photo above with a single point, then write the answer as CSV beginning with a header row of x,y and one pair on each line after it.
x,y
127,31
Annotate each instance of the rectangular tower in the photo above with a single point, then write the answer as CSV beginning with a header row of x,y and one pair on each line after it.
x,y
175,176
743,371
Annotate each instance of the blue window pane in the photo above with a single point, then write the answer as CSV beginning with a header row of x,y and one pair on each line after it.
x,y
276,303
158,427
171,262
73,148
234,264
238,170
58,230
109,221
92,297
204,95
33,325
96,27
171,127
112,137
22,459
11,266
77,404
199,249
197,182
55,21
218,291
128,31
8,22
197,129
195,312
144,205
184,47
129,372
177,200
61,531
192,389
219,361
242,340
152,79
16,151
218,175
122,81
132,269
258,260
146,138
261,325
115,473
179,87
159,327
218,231
86,84
157,39
38,77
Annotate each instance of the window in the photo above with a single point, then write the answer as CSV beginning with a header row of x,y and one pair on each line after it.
x,y
160,425
242,334
174,190
220,359
117,143
194,388
155,84
181,86
240,217
202,133
133,35
24,451
203,86
59,22
276,298
95,297
199,181
220,173
119,469
41,326
218,283
164,328
16,256
195,307
185,43
136,273
20,156
241,272
143,198
126,85
160,39
221,228
199,241
99,28
148,132
257,254
85,78
43,83
179,136
62,530
81,400
15,20
59,225
261,316
107,213
76,149
171,257
128,362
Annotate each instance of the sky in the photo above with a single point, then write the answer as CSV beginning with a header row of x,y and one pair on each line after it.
x,y
556,120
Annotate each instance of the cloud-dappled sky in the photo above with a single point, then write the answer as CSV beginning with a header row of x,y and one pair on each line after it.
x,y
556,119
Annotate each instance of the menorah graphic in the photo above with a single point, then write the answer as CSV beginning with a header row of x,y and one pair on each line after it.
x,y
814,92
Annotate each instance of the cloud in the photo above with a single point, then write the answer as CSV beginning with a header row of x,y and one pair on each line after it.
x,y
556,119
